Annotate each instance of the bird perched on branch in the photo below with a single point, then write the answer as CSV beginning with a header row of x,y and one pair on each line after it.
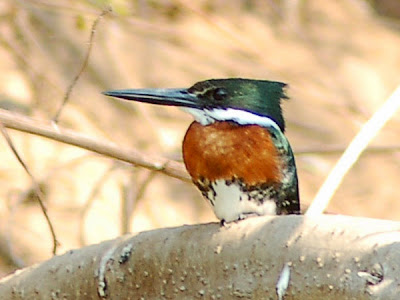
x,y
235,150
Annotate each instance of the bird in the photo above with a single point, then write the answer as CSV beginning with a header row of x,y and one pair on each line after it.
x,y
235,150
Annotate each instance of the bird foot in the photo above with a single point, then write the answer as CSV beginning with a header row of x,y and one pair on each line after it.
x,y
223,223
247,215
241,217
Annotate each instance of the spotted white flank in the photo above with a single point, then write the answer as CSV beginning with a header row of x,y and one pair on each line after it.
x,y
230,203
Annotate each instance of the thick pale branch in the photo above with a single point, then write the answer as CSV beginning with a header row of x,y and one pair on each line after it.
x,y
26,124
322,257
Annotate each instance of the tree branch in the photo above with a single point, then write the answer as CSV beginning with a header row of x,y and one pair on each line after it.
x,y
368,131
160,164
84,63
321,257
36,187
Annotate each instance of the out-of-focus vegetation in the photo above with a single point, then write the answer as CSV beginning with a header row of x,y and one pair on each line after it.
x,y
340,58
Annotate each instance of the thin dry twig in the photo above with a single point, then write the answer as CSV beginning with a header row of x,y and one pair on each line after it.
x,y
38,192
369,130
84,64
155,163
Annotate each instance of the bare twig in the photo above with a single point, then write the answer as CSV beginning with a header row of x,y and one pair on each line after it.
x,y
39,193
369,130
84,64
155,163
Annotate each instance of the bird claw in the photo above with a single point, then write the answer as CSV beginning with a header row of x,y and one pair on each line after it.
x,y
247,215
241,217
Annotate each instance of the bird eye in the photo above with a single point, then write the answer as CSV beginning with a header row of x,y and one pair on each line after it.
x,y
220,94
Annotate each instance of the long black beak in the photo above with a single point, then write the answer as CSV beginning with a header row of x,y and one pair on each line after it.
x,y
171,97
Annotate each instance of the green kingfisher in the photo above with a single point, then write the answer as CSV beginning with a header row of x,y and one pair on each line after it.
x,y
235,150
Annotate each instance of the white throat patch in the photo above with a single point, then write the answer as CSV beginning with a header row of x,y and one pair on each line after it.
x,y
209,116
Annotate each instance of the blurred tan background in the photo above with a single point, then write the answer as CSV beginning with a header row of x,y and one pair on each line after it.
x,y
340,58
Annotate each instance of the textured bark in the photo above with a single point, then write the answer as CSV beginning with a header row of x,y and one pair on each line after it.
x,y
324,257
